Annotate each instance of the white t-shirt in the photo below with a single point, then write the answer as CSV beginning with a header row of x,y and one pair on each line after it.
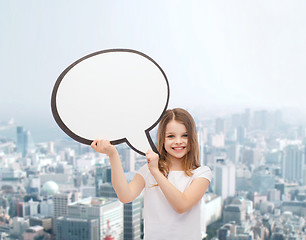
x,y
161,221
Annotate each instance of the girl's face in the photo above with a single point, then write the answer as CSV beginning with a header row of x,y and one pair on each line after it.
x,y
176,140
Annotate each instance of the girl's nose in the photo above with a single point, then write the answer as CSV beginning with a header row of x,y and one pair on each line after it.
x,y
178,140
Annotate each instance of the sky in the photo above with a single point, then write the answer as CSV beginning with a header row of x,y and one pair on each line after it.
x,y
218,55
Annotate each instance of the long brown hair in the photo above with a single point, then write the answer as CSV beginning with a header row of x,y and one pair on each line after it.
x,y
191,159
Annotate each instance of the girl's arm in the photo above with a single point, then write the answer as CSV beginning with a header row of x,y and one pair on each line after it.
x,y
126,192
180,201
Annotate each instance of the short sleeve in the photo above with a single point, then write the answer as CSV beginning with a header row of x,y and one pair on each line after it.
x,y
143,171
203,172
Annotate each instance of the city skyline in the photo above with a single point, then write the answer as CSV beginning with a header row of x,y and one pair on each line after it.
x,y
290,118
257,190
216,55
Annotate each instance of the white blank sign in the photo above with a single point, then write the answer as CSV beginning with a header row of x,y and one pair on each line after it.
x,y
117,94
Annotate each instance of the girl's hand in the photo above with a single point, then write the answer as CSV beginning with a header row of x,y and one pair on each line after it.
x,y
152,159
103,146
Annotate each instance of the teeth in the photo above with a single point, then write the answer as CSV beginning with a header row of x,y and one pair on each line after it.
x,y
178,148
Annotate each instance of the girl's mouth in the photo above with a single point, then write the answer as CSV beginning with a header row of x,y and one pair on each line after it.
x,y
178,148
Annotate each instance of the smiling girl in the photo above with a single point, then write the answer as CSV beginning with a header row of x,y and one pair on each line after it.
x,y
173,182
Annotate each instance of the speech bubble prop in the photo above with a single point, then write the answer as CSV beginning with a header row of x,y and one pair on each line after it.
x,y
116,94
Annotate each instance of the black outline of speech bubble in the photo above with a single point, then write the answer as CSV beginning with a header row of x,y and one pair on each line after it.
x,y
62,125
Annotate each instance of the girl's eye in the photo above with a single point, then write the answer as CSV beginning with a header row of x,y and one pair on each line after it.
x,y
185,136
170,136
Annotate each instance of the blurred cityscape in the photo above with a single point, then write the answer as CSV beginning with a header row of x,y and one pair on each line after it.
x,y
62,189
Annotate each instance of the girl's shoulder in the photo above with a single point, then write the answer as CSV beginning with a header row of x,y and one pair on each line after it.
x,y
202,171
143,171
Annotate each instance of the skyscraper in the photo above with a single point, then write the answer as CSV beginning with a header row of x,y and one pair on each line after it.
x,y
241,134
252,156
103,175
220,126
293,163
24,141
234,212
225,179
233,151
132,219
260,120
202,139
61,201
246,117
236,120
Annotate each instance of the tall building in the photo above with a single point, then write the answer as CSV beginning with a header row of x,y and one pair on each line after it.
x,y
50,147
241,134
304,176
202,139
236,120
246,118
61,201
32,207
293,162
47,208
103,175
225,179
24,141
106,190
233,152
261,120
252,157
277,119
217,140
220,126
77,229
104,210
234,212
132,219
211,210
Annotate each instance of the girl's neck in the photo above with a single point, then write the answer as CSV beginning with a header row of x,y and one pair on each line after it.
x,y
175,165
